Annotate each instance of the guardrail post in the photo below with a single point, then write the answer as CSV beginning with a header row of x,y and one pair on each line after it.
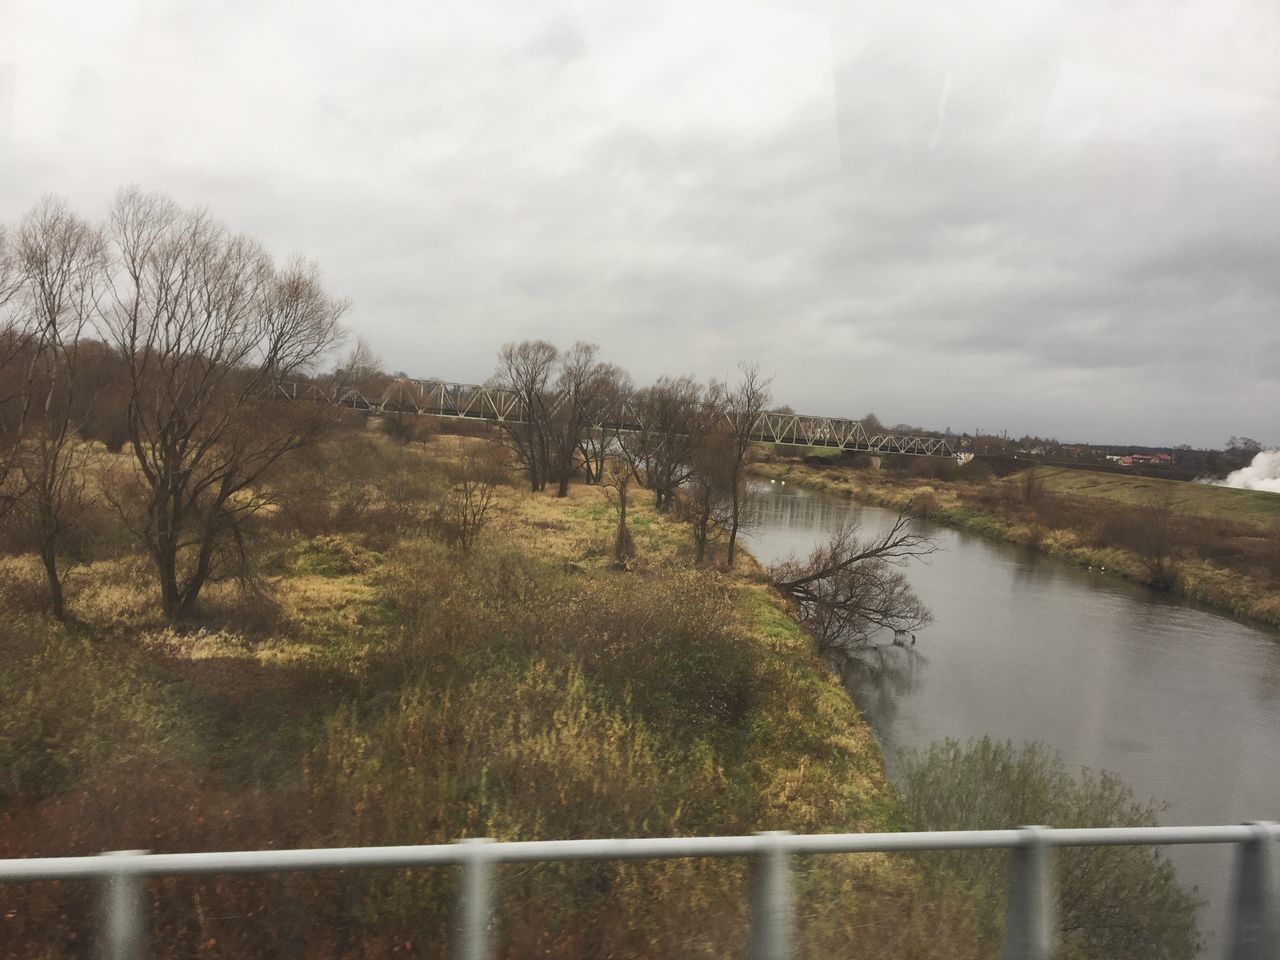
x,y
1255,933
123,901
1029,922
475,902
772,915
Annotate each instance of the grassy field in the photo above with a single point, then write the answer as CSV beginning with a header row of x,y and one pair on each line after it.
x,y
1253,507
378,685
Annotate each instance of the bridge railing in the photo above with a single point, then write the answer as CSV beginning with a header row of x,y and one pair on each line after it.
x,y
1030,921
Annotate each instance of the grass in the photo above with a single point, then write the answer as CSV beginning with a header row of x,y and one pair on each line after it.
x,y
383,687
1253,507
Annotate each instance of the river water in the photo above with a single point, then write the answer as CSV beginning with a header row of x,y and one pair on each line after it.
x,y
1179,701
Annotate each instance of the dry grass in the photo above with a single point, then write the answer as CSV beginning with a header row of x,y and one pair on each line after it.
x,y
379,686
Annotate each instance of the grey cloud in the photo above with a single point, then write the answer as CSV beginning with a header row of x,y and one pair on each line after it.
x,y
468,179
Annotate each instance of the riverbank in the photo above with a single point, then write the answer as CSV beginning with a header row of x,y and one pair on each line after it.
x,y
377,684
1209,544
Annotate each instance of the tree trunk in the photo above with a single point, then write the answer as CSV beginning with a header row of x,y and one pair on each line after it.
x,y
167,564
48,554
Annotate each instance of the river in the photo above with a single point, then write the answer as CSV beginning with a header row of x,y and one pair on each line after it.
x,y
1181,702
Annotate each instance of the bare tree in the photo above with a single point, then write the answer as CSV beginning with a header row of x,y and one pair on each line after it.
x,y
705,499
1154,535
208,328
851,586
473,487
17,352
606,405
61,263
743,408
615,481
584,388
671,419
525,369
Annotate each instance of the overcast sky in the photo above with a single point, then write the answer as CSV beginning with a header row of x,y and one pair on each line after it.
x,y
1052,217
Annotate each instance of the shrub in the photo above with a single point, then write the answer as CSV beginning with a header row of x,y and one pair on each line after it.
x,y
987,784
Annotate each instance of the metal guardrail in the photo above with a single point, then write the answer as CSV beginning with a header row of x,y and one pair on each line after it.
x,y
1030,922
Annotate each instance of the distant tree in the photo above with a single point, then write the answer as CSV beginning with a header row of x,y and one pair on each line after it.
x,y
1244,445
743,406
1031,484
607,406
61,265
208,328
615,482
705,498
1153,534
1241,450
526,369
851,587
672,418
585,390
17,352
1121,903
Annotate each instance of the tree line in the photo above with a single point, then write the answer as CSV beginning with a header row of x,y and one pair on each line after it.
x,y
690,444
165,337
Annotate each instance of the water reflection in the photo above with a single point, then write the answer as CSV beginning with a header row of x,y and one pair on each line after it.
x,y
879,675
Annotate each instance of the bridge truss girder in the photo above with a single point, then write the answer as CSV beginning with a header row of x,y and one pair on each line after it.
x,y
471,401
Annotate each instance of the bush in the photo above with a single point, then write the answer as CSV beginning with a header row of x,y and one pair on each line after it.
x,y
987,785
67,710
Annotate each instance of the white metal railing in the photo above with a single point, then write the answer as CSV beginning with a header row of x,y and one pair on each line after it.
x,y
1255,933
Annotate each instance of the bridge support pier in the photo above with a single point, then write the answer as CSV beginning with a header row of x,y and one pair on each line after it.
x,y
875,461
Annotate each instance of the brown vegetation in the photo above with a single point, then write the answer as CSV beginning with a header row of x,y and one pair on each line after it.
x,y
384,688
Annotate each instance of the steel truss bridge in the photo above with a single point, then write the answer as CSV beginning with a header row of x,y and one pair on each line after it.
x,y
470,401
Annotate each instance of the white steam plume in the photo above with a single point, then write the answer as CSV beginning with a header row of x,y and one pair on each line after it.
x,y
1262,474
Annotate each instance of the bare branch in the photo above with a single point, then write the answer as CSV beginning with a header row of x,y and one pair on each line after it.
x,y
850,586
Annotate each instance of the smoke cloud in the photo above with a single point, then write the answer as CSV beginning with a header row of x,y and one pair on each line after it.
x,y
1262,474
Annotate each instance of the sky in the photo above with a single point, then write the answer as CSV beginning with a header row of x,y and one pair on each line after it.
x,y
1057,217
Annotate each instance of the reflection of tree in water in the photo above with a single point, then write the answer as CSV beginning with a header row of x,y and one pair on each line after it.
x,y
877,675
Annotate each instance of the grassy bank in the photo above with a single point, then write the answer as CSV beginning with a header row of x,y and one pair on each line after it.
x,y
378,685
1212,544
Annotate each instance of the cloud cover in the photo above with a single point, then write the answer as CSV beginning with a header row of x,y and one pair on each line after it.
x,y
1051,217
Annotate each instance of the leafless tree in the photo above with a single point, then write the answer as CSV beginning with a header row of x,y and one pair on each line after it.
x,y
473,487
743,407
705,499
17,351
208,328
615,481
606,406
61,264
1154,535
851,586
360,370
526,369
584,387
671,419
